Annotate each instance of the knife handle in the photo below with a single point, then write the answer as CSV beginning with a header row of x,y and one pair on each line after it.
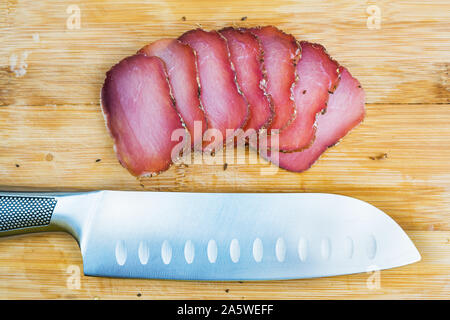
x,y
23,214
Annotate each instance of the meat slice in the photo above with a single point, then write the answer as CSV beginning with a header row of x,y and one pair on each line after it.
x,y
345,110
225,107
281,53
182,70
247,57
140,114
317,78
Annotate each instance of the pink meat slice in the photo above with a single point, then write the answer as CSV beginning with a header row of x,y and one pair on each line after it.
x,y
247,57
225,107
317,78
281,53
182,70
140,114
345,110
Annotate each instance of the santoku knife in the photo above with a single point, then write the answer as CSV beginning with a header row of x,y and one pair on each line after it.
x,y
215,236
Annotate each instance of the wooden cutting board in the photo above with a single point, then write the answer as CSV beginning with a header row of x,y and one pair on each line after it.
x,y
54,55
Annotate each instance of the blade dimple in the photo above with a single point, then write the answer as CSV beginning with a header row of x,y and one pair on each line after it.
x,y
371,246
235,251
143,252
166,252
121,253
325,248
348,247
189,252
258,250
212,251
280,249
302,249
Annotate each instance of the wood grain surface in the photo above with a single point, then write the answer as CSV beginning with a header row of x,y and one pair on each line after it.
x,y
53,137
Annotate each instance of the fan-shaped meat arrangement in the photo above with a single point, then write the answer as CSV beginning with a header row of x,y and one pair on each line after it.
x,y
206,84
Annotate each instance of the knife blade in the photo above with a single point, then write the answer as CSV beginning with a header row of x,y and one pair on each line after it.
x,y
215,236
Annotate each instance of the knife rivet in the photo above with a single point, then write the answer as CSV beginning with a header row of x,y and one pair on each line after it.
x,y
235,250
189,252
280,249
258,250
166,252
212,251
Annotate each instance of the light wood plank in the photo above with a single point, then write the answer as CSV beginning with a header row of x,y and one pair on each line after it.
x,y
411,184
405,61
52,133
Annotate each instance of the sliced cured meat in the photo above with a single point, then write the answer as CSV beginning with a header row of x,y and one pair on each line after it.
x,y
225,107
345,110
140,114
182,70
247,57
222,81
317,78
281,53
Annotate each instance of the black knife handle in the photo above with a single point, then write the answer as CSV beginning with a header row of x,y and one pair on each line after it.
x,y
19,212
